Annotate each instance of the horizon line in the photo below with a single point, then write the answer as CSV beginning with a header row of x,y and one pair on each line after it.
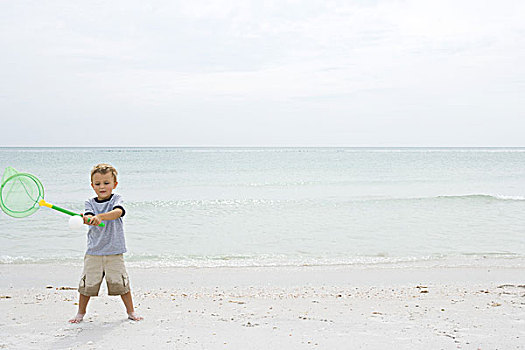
x,y
243,146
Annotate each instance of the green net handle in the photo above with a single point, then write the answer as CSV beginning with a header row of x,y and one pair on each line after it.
x,y
62,210
65,211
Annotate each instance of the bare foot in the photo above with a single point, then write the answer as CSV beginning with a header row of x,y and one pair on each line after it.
x,y
77,319
134,317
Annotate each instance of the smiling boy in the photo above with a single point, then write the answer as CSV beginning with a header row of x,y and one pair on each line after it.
x,y
106,245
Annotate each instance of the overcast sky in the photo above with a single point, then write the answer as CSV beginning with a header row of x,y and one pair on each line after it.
x,y
249,73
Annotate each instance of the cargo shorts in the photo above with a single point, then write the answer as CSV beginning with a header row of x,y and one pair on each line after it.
x,y
96,267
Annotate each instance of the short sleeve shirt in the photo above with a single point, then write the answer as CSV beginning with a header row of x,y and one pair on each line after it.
x,y
107,240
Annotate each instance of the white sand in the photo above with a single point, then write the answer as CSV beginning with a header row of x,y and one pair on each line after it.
x,y
338,307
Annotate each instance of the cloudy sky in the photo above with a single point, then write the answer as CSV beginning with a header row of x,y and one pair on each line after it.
x,y
251,73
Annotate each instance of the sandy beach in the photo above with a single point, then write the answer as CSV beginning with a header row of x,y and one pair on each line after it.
x,y
310,307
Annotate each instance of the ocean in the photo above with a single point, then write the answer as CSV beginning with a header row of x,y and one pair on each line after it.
x,y
207,207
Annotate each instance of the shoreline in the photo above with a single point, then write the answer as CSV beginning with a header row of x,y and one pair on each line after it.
x,y
36,275
270,307
452,261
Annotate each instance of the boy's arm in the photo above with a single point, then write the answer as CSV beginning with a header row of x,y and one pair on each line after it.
x,y
110,215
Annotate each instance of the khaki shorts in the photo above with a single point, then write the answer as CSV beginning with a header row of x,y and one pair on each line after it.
x,y
96,267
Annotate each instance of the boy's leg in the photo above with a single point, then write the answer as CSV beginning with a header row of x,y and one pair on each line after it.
x,y
89,284
118,283
83,300
82,303
128,302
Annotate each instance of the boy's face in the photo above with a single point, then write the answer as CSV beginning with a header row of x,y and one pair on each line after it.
x,y
103,184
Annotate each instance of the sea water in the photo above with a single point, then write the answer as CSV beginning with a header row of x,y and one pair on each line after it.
x,y
281,206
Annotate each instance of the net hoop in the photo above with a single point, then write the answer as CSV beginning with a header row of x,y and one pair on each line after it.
x,y
27,191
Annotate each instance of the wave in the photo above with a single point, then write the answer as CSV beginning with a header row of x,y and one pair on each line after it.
x,y
484,196
223,202
167,261
20,260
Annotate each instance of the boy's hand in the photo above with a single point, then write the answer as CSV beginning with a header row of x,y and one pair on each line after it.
x,y
95,220
86,219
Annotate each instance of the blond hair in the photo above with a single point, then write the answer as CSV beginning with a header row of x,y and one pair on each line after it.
x,y
103,169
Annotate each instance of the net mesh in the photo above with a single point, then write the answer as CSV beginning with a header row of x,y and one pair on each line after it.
x,y
20,193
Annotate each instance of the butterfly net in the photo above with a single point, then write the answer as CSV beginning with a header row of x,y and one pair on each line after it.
x,y
20,193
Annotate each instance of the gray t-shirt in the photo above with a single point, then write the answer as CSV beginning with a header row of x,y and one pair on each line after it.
x,y
107,240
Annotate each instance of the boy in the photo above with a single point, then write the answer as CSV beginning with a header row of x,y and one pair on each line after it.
x,y
106,245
